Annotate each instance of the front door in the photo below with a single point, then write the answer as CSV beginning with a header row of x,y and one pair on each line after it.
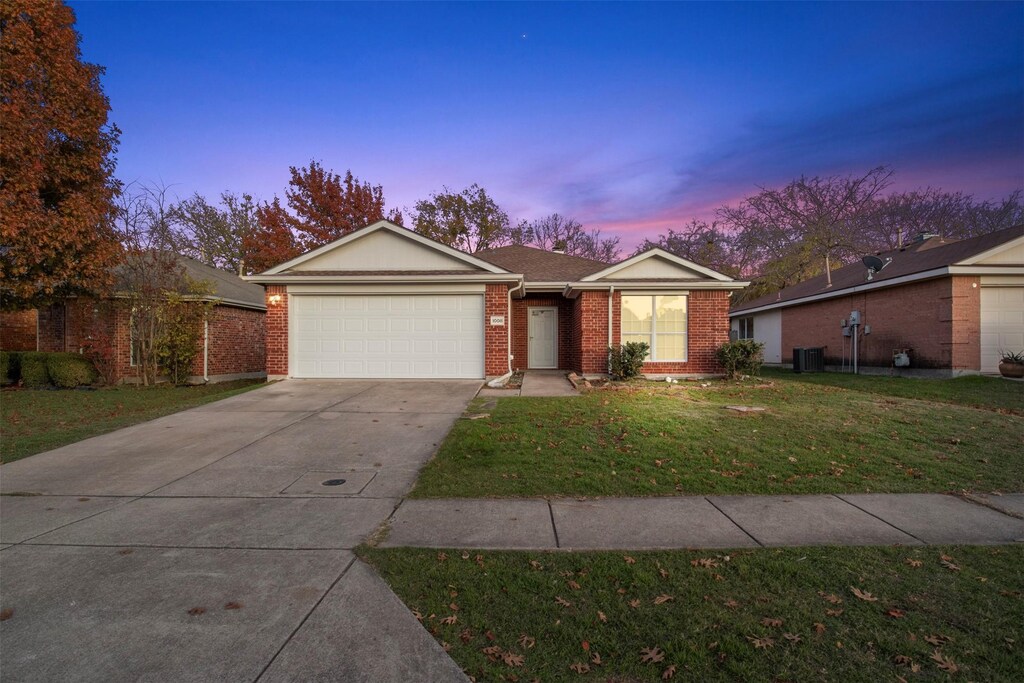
x,y
543,331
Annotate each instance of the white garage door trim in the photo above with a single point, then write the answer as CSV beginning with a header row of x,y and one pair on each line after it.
x,y
387,336
1002,324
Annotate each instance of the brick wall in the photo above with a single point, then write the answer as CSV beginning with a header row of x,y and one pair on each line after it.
x,y
18,330
237,341
521,330
496,337
590,317
277,331
939,320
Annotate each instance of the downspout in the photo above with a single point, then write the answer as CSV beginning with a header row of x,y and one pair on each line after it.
x,y
611,298
206,351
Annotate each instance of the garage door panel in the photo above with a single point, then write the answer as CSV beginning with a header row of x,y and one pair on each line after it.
x,y
1002,324
388,336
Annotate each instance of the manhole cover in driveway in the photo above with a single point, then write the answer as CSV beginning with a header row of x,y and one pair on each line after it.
x,y
347,483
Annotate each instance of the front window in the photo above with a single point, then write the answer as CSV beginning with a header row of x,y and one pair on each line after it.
x,y
660,321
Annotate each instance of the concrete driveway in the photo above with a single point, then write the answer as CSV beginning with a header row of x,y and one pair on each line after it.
x,y
204,546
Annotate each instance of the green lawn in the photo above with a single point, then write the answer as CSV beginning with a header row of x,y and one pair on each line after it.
x,y
952,613
819,434
32,421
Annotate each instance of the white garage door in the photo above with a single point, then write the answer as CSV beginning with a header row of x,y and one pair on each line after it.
x,y
1002,324
389,336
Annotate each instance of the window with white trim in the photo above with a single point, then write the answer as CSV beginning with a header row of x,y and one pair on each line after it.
x,y
745,328
660,321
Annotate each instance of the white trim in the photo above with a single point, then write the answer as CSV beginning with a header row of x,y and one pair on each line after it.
x,y
972,260
497,278
1008,269
370,229
672,258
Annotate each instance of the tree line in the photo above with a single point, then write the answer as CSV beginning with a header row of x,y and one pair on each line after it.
x,y
67,220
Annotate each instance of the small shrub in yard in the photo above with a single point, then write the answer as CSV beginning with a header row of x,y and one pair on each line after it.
x,y
741,357
34,371
70,370
627,361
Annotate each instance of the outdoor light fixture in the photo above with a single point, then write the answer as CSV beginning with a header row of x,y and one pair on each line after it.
x,y
275,299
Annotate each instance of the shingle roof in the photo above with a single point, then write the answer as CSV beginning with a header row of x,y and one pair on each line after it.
x,y
225,285
538,265
382,273
916,257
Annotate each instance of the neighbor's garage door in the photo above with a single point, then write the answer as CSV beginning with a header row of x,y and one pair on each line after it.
x,y
438,336
1002,324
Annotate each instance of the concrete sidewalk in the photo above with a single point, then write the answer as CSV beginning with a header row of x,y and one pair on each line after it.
x,y
708,522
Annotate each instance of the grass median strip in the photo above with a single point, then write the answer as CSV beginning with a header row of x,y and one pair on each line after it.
x,y
653,439
35,420
851,614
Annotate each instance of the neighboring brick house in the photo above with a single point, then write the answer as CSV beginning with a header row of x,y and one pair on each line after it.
x,y
232,346
385,302
18,330
950,305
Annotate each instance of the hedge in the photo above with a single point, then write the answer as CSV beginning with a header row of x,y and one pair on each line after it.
x,y
37,369
70,370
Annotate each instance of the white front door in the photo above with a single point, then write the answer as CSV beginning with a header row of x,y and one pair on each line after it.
x,y
414,336
543,332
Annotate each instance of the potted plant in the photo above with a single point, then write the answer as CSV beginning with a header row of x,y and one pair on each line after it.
x,y
1011,364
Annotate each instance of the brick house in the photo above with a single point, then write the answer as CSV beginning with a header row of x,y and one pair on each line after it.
x,y
385,302
232,345
950,305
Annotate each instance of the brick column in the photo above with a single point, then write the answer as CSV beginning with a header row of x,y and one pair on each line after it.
x,y
277,332
495,336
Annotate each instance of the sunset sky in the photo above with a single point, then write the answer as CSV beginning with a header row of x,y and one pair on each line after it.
x,y
633,118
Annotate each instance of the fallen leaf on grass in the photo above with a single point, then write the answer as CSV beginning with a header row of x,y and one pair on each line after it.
x,y
533,563
761,643
562,601
580,668
492,652
628,559
449,620
863,595
773,623
950,566
819,627
833,612
705,562
466,635
914,563
651,655
731,604
573,585
896,613
937,641
602,617
441,557
830,597
527,641
662,599
905,661
944,663
669,672
418,614
595,659
512,659
792,637
634,603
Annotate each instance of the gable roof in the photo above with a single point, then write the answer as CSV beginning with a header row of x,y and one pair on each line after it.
x,y
657,253
538,265
382,226
932,257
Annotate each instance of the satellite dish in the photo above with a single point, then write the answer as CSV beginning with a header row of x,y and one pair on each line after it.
x,y
874,264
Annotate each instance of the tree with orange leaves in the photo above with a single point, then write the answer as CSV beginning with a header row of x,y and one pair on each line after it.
x,y
56,160
322,206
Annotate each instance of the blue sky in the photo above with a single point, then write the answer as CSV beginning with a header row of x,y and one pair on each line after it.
x,y
631,117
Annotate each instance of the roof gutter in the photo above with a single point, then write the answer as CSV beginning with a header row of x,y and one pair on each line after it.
x,y
492,278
